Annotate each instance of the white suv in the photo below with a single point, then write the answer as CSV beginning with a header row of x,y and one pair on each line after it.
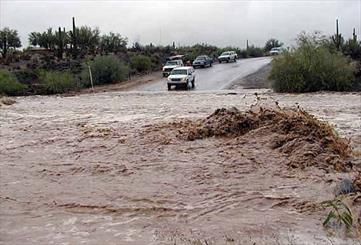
x,y
170,65
182,77
275,51
228,56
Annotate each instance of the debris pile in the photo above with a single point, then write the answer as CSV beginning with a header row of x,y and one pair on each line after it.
x,y
306,140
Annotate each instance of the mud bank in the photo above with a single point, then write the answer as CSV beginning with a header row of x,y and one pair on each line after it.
x,y
107,168
256,80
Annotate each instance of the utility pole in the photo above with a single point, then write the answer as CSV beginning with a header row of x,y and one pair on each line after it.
x,y
247,44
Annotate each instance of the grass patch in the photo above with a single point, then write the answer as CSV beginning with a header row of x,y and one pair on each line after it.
x,y
9,85
55,82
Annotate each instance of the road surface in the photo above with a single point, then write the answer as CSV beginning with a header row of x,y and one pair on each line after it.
x,y
218,77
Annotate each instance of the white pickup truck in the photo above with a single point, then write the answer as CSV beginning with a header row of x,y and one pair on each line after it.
x,y
228,56
170,65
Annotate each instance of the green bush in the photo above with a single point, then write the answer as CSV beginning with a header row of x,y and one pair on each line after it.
x,y
105,70
141,63
26,76
255,52
312,68
55,82
9,85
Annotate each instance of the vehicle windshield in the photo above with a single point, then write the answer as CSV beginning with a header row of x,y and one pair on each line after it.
x,y
225,53
171,63
275,49
179,72
201,58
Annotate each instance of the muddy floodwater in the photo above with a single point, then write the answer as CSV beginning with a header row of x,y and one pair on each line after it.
x,y
101,169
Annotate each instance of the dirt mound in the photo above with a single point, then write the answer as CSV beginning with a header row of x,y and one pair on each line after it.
x,y
6,101
306,140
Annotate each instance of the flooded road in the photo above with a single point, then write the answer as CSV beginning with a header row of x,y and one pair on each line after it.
x,y
101,169
217,77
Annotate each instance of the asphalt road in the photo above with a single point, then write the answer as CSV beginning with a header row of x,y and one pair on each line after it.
x,y
217,77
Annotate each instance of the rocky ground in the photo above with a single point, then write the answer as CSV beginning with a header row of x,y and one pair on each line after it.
x,y
168,168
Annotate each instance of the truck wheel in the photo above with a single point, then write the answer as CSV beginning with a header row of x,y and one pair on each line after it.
x,y
169,87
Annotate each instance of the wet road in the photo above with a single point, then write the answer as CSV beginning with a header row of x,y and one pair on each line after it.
x,y
218,77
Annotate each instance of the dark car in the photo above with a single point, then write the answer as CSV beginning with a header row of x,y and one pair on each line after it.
x,y
202,61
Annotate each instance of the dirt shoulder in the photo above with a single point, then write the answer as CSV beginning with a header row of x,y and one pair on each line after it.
x,y
256,80
123,86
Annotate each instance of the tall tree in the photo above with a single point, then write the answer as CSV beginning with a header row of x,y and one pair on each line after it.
x,y
87,39
9,39
113,43
34,38
272,43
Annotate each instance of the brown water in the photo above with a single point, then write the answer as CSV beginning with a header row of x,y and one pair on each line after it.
x,y
101,169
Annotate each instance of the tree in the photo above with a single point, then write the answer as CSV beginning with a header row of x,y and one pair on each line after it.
x,y
113,42
47,39
34,38
87,39
272,43
9,39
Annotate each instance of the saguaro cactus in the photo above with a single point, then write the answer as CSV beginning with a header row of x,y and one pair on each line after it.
x,y
354,36
337,38
74,40
60,43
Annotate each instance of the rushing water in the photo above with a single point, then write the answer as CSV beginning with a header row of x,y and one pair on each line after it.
x,y
82,169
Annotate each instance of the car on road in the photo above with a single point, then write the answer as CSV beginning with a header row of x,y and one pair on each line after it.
x,y
170,65
275,51
202,61
228,56
183,77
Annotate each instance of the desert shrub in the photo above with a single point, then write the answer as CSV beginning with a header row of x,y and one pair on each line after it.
x,y
352,48
311,68
141,63
55,82
26,76
9,85
255,52
243,53
105,70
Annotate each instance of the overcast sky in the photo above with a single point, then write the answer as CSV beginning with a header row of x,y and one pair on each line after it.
x,y
220,23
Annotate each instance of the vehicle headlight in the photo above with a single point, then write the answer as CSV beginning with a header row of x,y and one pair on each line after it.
x,y
184,78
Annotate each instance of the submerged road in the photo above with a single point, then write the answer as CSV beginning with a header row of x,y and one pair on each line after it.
x,y
217,77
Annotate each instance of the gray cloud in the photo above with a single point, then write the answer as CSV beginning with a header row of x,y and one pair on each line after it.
x,y
187,22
